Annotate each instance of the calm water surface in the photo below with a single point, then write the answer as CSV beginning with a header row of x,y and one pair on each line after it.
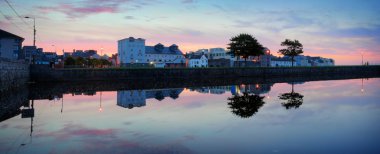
x,y
340,116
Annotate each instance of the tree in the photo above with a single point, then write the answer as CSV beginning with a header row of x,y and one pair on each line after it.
x,y
293,48
70,61
105,62
246,105
80,61
244,45
293,99
174,94
159,96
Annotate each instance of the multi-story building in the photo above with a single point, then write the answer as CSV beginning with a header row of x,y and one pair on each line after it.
x,y
319,61
137,98
280,62
133,51
10,45
30,53
131,98
218,53
198,61
313,61
263,60
162,56
301,61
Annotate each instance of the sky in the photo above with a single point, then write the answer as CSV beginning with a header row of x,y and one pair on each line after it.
x,y
343,30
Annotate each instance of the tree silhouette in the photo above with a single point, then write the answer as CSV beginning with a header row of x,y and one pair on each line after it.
x,y
246,105
293,48
159,96
174,94
292,99
245,45
69,61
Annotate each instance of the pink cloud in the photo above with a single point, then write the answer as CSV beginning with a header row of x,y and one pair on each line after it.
x,y
74,11
71,130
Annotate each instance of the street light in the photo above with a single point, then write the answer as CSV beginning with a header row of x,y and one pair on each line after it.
x,y
34,29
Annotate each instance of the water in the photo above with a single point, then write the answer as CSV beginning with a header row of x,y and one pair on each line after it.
x,y
341,116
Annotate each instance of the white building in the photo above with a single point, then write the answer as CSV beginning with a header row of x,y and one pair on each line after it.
x,y
133,51
10,45
198,61
301,61
280,62
162,56
202,52
319,61
132,98
218,53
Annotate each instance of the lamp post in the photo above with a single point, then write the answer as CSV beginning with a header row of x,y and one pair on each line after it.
x,y
34,29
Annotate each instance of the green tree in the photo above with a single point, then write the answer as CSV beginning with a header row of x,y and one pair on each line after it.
x,y
244,45
70,61
293,48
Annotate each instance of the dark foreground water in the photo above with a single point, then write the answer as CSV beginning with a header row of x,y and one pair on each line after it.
x,y
341,116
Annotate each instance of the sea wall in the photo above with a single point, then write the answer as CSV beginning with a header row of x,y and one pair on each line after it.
x,y
13,74
40,73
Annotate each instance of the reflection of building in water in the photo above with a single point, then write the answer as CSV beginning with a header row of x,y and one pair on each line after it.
x,y
172,93
88,93
219,89
131,98
212,90
137,98
254,88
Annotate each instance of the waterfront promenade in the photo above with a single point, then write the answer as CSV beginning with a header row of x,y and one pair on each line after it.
x,y
45,74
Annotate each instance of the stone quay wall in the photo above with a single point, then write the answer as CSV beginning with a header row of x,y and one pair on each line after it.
x,y
46,74
13,74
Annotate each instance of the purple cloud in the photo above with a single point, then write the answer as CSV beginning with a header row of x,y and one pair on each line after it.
x,y
108,141
90,7
75,12
70,130
187,1
129,17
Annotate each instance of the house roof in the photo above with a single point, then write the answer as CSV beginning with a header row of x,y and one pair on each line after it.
x,y
5,34
195,56
161,49
281,59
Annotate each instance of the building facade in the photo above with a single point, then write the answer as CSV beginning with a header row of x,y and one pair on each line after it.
x,y
10,45
133,51
218,53
131,98
197,61
161,56
280,62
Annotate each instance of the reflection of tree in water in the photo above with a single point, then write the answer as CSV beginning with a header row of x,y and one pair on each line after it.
x,y
174,94
159,96
292,99
245,105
